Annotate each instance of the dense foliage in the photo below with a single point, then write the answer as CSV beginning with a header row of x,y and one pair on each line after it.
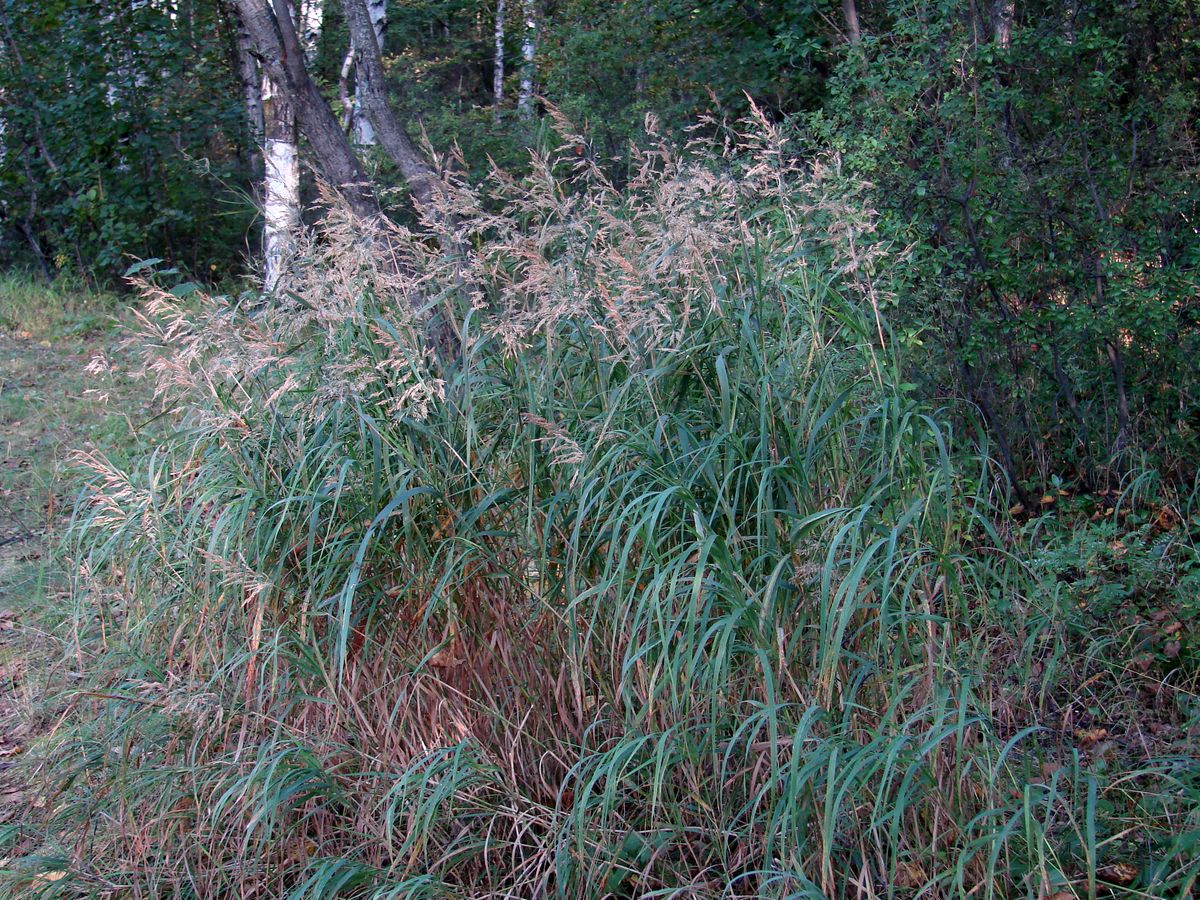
x,y
123,138
1048,190
1043,176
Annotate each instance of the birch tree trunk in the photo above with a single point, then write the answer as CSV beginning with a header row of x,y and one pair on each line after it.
x,y
125,71
251,81
281,182
529,37
312,19
278,48
364,128
344,90
498,66
422,180
386,125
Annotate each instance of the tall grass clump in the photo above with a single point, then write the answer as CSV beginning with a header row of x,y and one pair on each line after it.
x,y
665,583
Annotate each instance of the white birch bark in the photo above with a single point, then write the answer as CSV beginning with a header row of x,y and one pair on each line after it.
x,y
126,75
281,183
344,91
3,121
364,132
498,67
125,71
312,20
529,37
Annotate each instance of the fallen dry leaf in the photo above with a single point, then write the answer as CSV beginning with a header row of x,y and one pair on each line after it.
x,y
446,658
1118,873
1090,737
910,875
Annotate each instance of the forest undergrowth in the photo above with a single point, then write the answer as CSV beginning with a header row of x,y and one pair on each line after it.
x,y
665,580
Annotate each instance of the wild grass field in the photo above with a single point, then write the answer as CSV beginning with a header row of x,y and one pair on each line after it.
x,y
49,404
671,584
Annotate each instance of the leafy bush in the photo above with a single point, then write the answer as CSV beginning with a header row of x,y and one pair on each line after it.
x,y
1046,188
123,136
668,584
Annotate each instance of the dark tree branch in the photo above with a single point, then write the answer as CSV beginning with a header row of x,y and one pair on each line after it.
x,y
372,86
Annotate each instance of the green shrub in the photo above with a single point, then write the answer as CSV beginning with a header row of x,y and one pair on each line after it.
x,y
1046,188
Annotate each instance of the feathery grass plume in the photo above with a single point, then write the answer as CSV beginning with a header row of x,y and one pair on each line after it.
x,y
668,586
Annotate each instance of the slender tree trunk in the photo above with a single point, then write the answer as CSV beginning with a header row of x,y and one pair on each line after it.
x,y
529,39
280,54
422,180
1002,22
281,182
646,50
1068,394
344,91
980,393
312,20
28,226
364,127
282,60
498,66
850,14
387,127
251,81
1094,263
1116,360
1003,13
